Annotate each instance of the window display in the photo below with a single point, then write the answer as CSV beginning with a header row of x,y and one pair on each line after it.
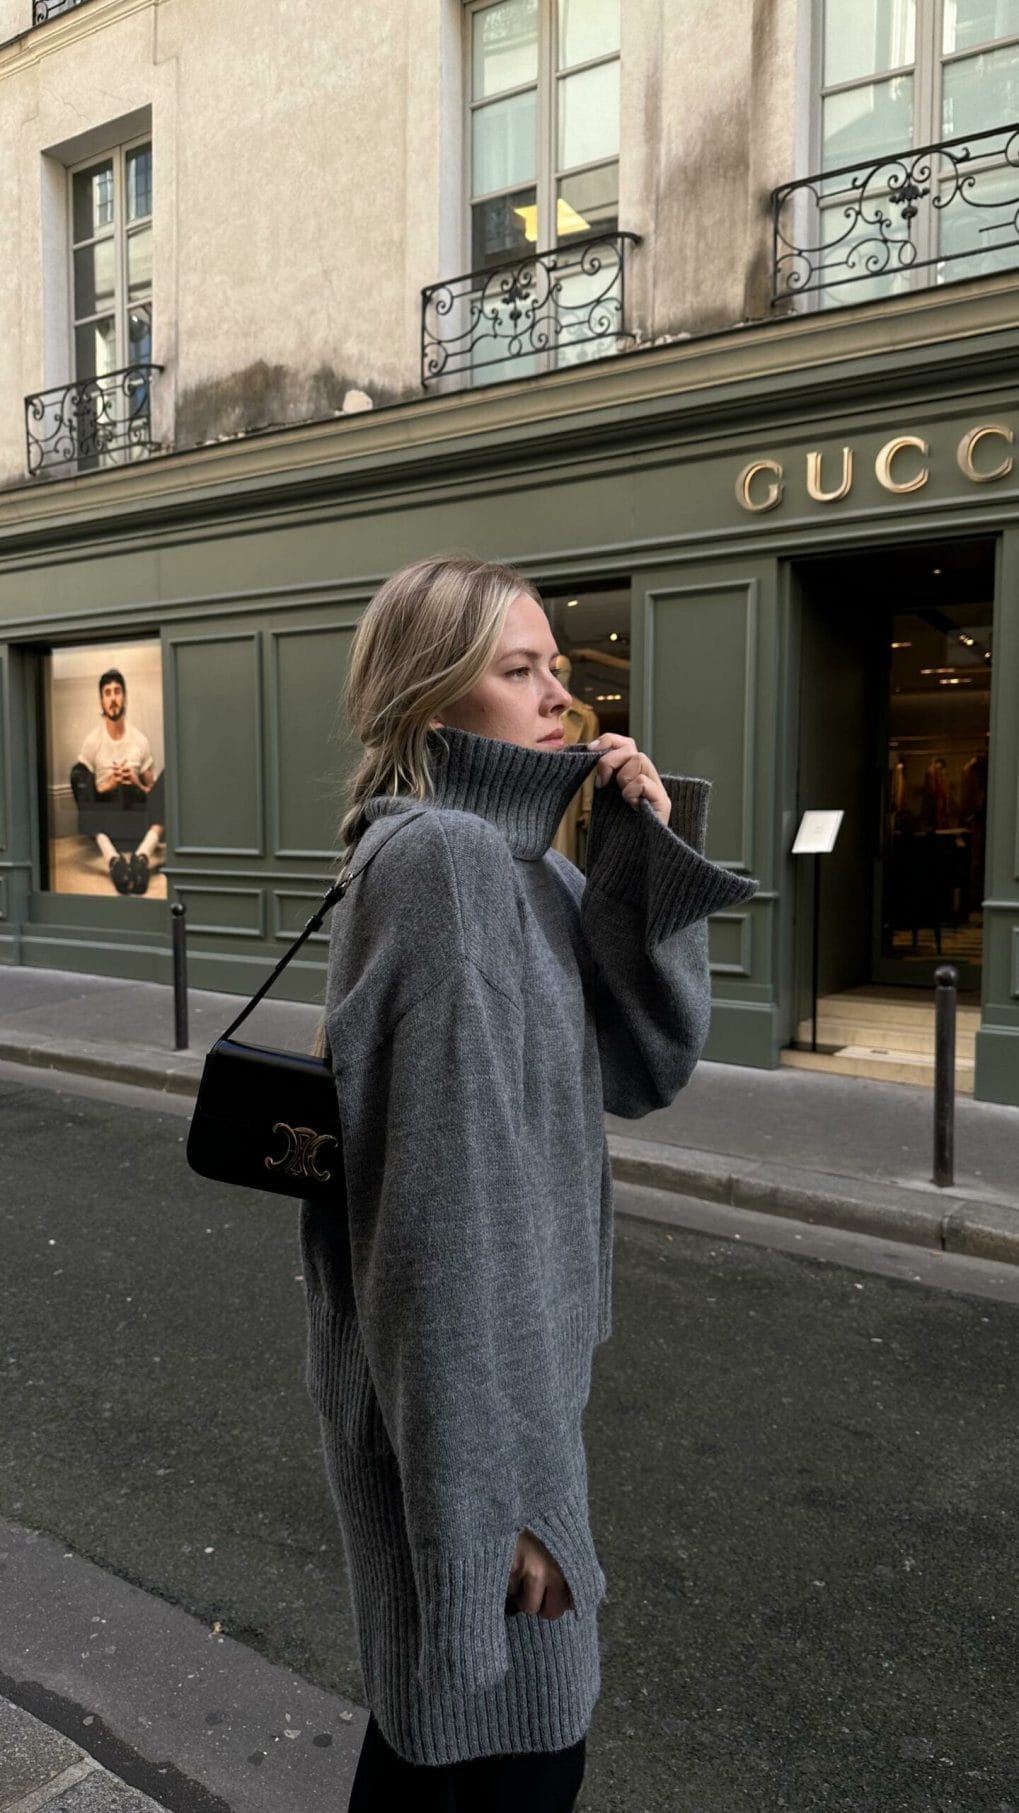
x,y
105,800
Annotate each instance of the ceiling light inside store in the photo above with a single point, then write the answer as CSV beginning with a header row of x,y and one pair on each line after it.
x,y
937,572
967,641
902,645
570,602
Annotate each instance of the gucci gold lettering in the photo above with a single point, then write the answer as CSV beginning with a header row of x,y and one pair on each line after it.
x,y
968,446
883,464
301,1156
773,492
815,481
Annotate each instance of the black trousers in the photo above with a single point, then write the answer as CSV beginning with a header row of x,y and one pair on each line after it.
x,y
539,1782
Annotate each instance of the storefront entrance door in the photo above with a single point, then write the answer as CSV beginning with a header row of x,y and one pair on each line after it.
x,y
895,689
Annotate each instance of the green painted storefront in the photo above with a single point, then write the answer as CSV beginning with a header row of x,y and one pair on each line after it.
x,y
251,561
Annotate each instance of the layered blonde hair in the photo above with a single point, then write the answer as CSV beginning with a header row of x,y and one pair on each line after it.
x,y
426,638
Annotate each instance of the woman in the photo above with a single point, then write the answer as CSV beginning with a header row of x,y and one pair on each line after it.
x,y
484,1005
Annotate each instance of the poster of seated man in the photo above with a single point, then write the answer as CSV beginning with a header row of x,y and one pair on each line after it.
x,y
109,835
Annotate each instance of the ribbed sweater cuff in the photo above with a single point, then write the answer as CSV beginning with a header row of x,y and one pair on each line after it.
x,y
638,860
462,1615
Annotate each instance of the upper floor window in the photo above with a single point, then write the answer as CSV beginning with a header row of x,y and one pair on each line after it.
x,y
111,258
544,124
917,152
903,73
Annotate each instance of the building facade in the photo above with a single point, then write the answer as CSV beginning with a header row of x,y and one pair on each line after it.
x,y
704,317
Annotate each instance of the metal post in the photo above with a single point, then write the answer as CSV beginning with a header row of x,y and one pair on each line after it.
x,y
180,976
816,972
946,983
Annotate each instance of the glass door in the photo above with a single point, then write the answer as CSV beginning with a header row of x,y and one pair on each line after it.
x,y
934,809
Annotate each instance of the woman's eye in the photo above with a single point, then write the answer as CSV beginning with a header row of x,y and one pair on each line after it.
x,y
517,670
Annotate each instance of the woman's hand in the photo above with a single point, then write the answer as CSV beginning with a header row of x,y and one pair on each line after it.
x,y
636,775
536,1580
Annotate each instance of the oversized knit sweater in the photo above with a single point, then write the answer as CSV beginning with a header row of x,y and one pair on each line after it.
x,y
484,1005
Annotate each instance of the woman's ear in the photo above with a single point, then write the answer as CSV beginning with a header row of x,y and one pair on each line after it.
x,y
435,724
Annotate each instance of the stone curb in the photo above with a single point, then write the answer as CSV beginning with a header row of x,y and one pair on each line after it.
x,y
918,1214
911,1211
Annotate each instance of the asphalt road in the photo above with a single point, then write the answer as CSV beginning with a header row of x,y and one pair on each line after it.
x,y
803,1475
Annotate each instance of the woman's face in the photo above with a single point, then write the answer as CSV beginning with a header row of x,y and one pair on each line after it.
x,y
518,699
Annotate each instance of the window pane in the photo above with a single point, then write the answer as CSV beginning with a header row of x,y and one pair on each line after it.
x,y
588,202
970,22
93,201
866,37
139,335
589,115
505,47
95,349
503,229
981,220
139,182
505,141
587,28
980,92
868,122
139,264
93,278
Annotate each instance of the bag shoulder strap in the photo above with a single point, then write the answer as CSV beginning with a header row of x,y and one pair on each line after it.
x,y
335,894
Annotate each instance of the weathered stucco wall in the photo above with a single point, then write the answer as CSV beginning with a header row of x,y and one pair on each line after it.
x,y
709,111
308,184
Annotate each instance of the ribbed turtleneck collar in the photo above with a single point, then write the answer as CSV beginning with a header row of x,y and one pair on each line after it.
x,y
522,790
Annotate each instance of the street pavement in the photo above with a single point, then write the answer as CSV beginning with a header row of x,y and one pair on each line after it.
x,y
803,1492
832,1151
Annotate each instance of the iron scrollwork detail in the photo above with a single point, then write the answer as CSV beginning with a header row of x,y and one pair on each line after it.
x,y
876,211
42,10
92,423
536,305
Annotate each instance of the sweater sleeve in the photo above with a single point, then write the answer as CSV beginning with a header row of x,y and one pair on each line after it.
x,y
464,1342
644,913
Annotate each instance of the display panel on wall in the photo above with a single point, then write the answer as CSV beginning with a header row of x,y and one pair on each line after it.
x,y
104,782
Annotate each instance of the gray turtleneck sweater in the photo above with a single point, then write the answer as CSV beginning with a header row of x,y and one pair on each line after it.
x,y
484,1004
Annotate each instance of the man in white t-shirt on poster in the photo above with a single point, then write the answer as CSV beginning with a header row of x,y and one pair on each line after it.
x,y
116,775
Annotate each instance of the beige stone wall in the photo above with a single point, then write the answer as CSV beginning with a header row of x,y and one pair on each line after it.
x,y
307,185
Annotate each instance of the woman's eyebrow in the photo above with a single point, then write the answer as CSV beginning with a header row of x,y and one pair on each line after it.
x,y
532,654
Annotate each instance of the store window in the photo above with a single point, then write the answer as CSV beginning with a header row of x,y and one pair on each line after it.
x,y
592,632
897,75
103,783
111,260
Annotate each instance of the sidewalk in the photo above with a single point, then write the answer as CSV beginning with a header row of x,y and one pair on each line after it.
x,y
43,1772
836,1151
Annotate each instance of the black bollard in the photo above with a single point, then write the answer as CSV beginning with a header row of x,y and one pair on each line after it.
x,y
180,976
946,984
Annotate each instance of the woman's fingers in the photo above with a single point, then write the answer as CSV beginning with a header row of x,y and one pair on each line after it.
x,y
635,774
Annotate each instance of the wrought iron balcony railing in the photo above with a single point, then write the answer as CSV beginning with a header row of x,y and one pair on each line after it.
x,y
48,9
532,314
93,423
895,223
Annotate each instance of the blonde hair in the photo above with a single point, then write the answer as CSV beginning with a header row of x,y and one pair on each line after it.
x,y
426,638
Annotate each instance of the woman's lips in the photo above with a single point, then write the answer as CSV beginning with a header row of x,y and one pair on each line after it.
x,y
554,736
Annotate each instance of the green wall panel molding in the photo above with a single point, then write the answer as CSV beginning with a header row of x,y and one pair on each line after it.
x,y
240,912
730,943
997,1065
292,908
308,756
215,793
700,659
743,1032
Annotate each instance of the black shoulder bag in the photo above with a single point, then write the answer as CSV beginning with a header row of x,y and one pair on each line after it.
x,y
269,1119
